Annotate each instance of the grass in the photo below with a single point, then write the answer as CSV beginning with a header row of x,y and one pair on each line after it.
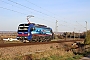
x,y
55,54
56,57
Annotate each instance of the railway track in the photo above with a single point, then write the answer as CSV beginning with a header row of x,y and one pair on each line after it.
x,y
35,43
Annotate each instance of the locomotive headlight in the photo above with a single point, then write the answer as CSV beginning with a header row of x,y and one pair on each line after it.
x,y
28,34
25,37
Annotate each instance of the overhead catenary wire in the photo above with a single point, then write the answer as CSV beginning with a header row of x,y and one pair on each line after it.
x,y
47,11
80,24
33,9
29,8
13,10
44,10
13,5
41,8
17,11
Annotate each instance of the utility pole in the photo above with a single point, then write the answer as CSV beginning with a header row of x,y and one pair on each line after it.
x,y
0,36
70,35
86,33
56,26
86,28
74,33
79,34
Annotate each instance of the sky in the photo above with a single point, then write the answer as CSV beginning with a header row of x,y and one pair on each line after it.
x,y
71,15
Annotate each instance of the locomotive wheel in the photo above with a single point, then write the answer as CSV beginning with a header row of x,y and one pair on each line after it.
x,y
30,40
41,39
24,41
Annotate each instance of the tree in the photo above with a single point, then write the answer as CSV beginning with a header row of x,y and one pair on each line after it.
x,y
87,38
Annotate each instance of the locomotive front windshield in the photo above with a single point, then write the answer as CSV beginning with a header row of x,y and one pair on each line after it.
x,y
23,28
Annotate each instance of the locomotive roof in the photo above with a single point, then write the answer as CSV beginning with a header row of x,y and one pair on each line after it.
x,y
39,25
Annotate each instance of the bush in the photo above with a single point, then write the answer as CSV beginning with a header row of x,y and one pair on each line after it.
x,y
77,56
70,58
46,58
53,57
87,38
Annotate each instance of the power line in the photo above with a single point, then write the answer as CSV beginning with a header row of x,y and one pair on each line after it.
x,y
46,10
17,7
28,8
16,11
40,7
31,8
13,5
43,9
80,24
13,10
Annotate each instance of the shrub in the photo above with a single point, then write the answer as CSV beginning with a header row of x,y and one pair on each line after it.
x,y
87,38
77,56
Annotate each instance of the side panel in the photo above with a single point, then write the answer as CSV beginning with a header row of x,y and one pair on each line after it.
x,y
42,30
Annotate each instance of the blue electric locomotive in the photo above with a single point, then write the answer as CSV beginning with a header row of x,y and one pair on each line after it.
x,y
34,33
